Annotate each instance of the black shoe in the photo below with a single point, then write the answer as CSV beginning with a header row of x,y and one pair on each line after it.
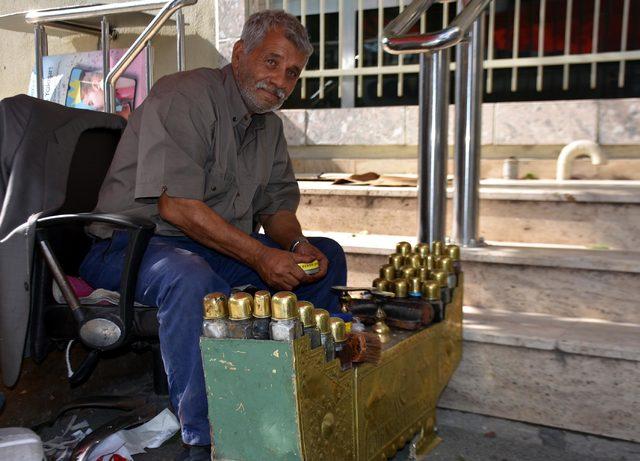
x,y
195,453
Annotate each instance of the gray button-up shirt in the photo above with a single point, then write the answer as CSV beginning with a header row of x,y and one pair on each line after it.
x,y
194,138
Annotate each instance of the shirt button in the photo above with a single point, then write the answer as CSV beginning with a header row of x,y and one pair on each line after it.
x,y
235,119
213,188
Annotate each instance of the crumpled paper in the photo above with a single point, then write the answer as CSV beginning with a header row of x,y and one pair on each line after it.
x,y
125,443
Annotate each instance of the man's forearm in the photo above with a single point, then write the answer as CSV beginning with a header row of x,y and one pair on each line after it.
x,y
207,227
282,227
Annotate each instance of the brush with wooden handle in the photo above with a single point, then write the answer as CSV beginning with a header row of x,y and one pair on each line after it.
x,y
365,347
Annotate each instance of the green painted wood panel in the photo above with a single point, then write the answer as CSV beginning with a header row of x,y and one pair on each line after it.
x,y
253,386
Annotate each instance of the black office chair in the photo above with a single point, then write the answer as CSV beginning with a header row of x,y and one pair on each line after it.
x,y
61,244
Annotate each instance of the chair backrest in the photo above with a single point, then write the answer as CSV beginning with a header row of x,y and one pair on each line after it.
x,y
89,165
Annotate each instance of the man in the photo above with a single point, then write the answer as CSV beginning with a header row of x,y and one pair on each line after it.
x,y
205,158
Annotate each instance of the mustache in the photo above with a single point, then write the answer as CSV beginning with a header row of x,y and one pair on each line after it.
x,y
274,90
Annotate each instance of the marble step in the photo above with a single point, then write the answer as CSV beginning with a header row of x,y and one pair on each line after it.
x,y
580,213
578,374
545,279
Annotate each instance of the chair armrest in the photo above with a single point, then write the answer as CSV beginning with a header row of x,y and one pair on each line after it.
x,y
139,232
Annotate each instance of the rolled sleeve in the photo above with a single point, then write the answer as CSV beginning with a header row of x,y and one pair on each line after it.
x,y
174,141
282,191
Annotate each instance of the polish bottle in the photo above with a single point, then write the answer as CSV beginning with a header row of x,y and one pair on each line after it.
x,y
400,288
453,251
433,295
404,248
322,321
423,250
437,248
261,315
407,272
308,320
388,272
240,322
342,350
381,284
396,260
215,316
415,287
423,273
414,260
285,320
441,278
446,265
429,262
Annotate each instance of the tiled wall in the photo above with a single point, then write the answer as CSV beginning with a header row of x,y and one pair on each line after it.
x,y
614,122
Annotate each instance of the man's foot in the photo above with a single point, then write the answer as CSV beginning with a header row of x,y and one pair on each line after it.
x,y
195,453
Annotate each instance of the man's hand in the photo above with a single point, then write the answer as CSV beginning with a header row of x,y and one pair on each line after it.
x,y
306,249
279,268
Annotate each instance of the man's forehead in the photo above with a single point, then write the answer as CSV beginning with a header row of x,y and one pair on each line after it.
x,y
276,44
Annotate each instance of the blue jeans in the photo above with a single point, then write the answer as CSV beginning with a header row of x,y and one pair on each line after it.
x,y
175,274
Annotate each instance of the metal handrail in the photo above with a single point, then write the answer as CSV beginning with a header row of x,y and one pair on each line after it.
x,y
395,43
93,11
139,44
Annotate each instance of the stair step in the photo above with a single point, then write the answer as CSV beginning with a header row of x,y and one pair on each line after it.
x,y
543,212
577,374
544,279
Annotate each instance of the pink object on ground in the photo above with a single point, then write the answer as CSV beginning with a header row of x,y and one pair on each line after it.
x,y
80,287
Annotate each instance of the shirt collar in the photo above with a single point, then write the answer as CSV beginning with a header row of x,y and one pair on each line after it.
x,y
237,107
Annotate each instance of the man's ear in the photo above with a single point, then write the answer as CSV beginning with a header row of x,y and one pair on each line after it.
x,y
238,49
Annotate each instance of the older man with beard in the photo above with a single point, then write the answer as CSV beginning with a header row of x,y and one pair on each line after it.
x,y
205,159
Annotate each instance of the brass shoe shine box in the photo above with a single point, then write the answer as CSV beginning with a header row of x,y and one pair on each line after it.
x,y
271,400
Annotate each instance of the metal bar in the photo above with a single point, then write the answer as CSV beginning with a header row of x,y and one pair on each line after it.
x,y
140,42
303,21
594,40
541,26
105,45
459,152
396,43
360,45
73,27
96,11
38,38
467,164
180,54
340,45
613,56
516,44
348,56
149,65
445,14
432,160
400,88
567,44
492,21
59,276
322,44
623,40
380,28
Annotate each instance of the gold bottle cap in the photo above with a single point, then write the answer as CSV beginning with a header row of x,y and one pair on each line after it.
x,y
215,306
400,288
404,248
436,247
453,251
322,320
415,285
381,284
429,262
240,306
396,260
424,273
338,329
408,272
388,272
262,304
446,264
431,290
283,305
423,250
440,277
415,260
306,313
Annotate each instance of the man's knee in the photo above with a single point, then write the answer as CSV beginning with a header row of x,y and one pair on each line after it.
x,y
330,248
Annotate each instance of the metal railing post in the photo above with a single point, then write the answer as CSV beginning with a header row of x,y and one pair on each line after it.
x,y
468,139
106,59
433,151
180,40
39,34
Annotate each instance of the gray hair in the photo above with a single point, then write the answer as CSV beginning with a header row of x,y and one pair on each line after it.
x,y
260,23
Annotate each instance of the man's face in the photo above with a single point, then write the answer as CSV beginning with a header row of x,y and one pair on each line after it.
x,y
267,75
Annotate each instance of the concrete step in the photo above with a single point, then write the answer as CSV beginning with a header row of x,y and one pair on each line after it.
x,y
543,279
577,374
581,213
